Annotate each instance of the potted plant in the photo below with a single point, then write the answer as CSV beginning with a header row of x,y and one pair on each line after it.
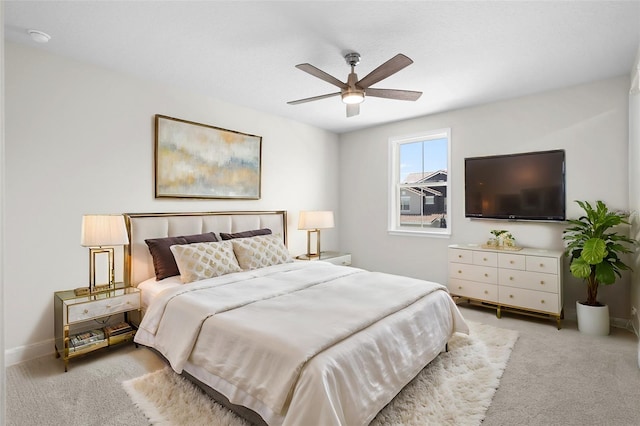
x,y
595,257
501,239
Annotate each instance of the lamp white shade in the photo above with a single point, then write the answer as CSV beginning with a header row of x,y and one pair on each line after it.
x,y
315,220
103,230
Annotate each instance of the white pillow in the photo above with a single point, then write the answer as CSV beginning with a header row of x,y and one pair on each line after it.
x,y
198,261
260,251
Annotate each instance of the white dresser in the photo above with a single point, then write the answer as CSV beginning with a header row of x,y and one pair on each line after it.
x,y
528,281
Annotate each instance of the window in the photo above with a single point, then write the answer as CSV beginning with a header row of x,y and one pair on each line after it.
x,y
419,197
405,202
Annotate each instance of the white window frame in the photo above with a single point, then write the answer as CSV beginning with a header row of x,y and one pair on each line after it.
x,y
395,187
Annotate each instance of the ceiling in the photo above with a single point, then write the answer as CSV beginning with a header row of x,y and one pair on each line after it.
x,y
465,53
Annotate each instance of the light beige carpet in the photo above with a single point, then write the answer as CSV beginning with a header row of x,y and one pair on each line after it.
x,y
455,388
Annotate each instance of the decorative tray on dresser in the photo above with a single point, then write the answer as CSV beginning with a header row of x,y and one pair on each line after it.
x,y
527,281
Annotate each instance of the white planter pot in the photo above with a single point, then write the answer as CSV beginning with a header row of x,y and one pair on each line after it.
x,y
593,320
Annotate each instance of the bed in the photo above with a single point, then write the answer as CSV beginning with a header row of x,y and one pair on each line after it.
x,y
281,342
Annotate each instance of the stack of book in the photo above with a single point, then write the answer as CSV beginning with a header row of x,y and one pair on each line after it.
x,y
119,332
87,340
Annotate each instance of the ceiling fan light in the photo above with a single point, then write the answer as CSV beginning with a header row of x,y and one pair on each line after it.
x,y
353,97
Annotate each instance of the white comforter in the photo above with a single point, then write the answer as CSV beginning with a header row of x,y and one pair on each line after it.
x,y
256,331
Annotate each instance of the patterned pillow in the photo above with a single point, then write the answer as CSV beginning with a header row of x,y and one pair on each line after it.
x,y
164,263
260,251
205,260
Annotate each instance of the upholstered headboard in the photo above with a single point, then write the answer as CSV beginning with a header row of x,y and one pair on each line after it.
x,y
142,226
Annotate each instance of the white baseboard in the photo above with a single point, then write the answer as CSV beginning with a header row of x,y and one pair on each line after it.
x,y
20,354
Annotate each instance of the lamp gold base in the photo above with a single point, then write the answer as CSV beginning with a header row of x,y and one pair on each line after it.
x,y
93,287
307,257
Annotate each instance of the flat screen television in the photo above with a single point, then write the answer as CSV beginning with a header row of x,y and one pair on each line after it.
x,y
527,186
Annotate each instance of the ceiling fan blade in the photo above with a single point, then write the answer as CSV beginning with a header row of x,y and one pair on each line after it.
x,y
315,98
390,67
402,95
353,109
316,72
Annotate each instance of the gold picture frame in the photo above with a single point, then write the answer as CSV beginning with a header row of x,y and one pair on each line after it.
x,y
194,160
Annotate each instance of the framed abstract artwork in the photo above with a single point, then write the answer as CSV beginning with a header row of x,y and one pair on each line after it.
x,y
194,160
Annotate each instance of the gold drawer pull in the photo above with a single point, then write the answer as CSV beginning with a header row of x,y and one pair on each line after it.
x,y
541,282
486,275
510,278
484,259
486,292
511,296
459,271
542,301
459,256
542,265
86,311
108,306
511,262
459,287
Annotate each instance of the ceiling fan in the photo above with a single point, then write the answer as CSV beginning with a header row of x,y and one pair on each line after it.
x,y
353,91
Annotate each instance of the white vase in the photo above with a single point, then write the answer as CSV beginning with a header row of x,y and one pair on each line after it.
x,y
593,320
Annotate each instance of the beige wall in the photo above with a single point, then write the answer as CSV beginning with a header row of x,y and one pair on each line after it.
x,y
634,185
2,246
79,140
590,122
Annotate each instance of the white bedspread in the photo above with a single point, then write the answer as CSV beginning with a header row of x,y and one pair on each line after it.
x,y
256,331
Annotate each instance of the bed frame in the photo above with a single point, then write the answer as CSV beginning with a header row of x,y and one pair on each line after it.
x,y
139,264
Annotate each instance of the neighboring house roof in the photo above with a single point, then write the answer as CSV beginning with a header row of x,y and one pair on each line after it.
x,y
422,177
422,190
425,177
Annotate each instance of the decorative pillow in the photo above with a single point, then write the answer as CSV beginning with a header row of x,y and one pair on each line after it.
x,y
260,251
164,263
245,234
198,261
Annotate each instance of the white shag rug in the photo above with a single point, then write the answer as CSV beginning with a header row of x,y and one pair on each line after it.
x,y
455,389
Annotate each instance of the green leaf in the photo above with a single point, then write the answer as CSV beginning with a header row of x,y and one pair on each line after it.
x,y
605,273
594,251
579,268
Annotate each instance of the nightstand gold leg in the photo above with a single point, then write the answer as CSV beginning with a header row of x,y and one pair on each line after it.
x,y
498,313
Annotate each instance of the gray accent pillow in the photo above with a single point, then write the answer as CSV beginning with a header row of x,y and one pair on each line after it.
x,y
245,234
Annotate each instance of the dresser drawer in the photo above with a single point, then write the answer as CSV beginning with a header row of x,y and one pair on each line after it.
x,y
529,280
512,261
542,264
528,299
478,273
460,256
485,258
103,307
474,290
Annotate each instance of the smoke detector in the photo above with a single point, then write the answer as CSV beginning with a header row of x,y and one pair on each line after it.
x,y
39,36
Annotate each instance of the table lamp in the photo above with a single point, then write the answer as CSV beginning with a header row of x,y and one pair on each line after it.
x,y
313,222
101,233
